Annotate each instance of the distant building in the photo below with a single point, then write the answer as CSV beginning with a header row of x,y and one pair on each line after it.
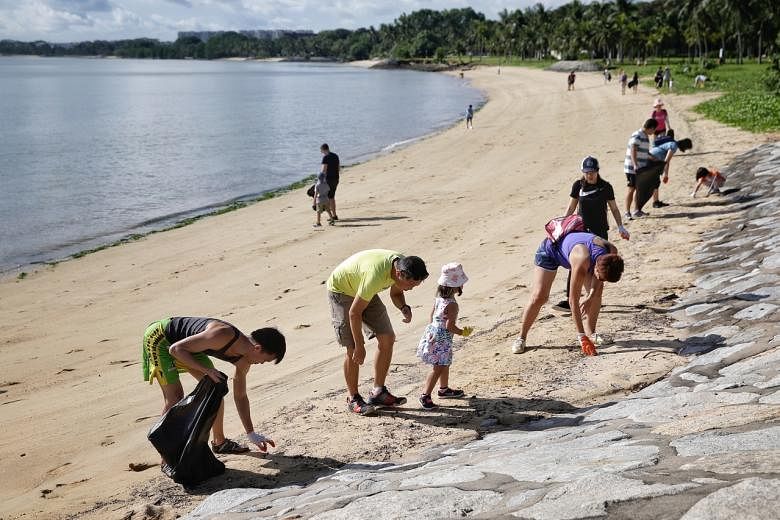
x,y
261,34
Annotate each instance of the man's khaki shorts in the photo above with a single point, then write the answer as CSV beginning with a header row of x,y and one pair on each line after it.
x,y
375,318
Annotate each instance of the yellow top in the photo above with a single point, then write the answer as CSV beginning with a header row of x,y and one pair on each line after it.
x,y
364,274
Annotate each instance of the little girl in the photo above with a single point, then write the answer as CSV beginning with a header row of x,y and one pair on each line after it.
x,y
435,347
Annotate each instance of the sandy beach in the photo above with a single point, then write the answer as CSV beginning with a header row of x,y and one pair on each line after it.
x,y
76,411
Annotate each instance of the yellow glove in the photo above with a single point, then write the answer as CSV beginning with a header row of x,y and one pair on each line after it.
x,y
467,331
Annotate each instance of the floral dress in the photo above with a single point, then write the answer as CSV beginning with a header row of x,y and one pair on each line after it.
x,y
435,347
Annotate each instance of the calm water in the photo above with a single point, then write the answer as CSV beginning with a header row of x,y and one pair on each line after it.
x,y
94,150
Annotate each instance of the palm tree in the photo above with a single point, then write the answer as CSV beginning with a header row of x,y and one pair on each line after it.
x,y
623,20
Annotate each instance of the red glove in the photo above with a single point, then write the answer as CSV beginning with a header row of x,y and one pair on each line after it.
x,y
588,348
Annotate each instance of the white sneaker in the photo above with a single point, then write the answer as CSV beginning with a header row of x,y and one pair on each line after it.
x,y
601,339
518,346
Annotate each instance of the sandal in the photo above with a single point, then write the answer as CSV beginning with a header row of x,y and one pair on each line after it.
x,y
229,446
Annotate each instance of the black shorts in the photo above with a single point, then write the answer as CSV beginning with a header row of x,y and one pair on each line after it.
x,y
630,179
332,191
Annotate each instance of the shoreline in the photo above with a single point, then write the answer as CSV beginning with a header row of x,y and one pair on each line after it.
x,y
73,346
23,270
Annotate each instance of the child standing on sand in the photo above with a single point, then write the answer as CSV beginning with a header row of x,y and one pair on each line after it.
x,y
435,347
321,202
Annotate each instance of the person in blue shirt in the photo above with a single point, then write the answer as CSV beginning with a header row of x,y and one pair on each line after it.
x,y
663,150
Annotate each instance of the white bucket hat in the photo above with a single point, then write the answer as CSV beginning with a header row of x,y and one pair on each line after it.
x,y
452,275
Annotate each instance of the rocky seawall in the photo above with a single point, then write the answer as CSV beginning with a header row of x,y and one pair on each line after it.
x,y
703,443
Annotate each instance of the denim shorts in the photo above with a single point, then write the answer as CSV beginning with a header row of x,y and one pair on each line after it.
x,y
544,258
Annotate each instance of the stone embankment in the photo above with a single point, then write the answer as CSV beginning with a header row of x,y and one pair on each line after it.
x,y
701,444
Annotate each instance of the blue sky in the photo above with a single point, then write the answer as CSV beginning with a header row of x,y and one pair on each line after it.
x,y
78,20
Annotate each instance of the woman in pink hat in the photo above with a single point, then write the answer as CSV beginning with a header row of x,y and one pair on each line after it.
x,y
661,117
435,347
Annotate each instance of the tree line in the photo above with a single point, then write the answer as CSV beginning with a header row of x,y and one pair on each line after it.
x,y
611,30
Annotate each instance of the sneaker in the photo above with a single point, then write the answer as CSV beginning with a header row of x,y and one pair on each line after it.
x,y
385,398
628,216
335,217
518,346
450,393
640,213
562,305
426,401
659,204
358,405
601,339
316,225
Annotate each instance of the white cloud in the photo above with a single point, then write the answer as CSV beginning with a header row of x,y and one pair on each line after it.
x,y
73,20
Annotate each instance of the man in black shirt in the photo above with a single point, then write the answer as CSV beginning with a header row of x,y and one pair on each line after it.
x,y
331,168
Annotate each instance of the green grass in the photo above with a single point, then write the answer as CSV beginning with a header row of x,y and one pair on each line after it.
x,y
514,61
749,110
745,103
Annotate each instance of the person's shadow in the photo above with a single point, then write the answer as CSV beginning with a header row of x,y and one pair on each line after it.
x,y
288,470
365,221
484,415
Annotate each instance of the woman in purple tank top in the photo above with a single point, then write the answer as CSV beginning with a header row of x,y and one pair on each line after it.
x,y
592,261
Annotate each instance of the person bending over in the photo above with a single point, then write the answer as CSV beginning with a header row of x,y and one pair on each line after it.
x,y
592,261
180,344
353,295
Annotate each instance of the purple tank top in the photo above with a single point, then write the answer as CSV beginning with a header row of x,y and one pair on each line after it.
x,y
574,239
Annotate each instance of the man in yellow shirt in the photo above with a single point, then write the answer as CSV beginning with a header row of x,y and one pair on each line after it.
x,y
353,289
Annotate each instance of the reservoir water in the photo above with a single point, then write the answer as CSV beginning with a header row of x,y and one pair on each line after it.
x,y
93,150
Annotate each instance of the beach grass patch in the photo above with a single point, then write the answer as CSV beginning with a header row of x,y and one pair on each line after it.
x,y
751,110
746,102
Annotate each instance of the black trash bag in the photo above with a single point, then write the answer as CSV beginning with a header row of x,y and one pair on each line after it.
x,y
647,180
181,435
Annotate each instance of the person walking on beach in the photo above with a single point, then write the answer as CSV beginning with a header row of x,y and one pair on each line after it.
x,y
570,80
590,196
331,167
659,78
179,344
637,156
634,83
623,81
469,117
667,80
321,201
353,289
661,117
592,261
435,346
